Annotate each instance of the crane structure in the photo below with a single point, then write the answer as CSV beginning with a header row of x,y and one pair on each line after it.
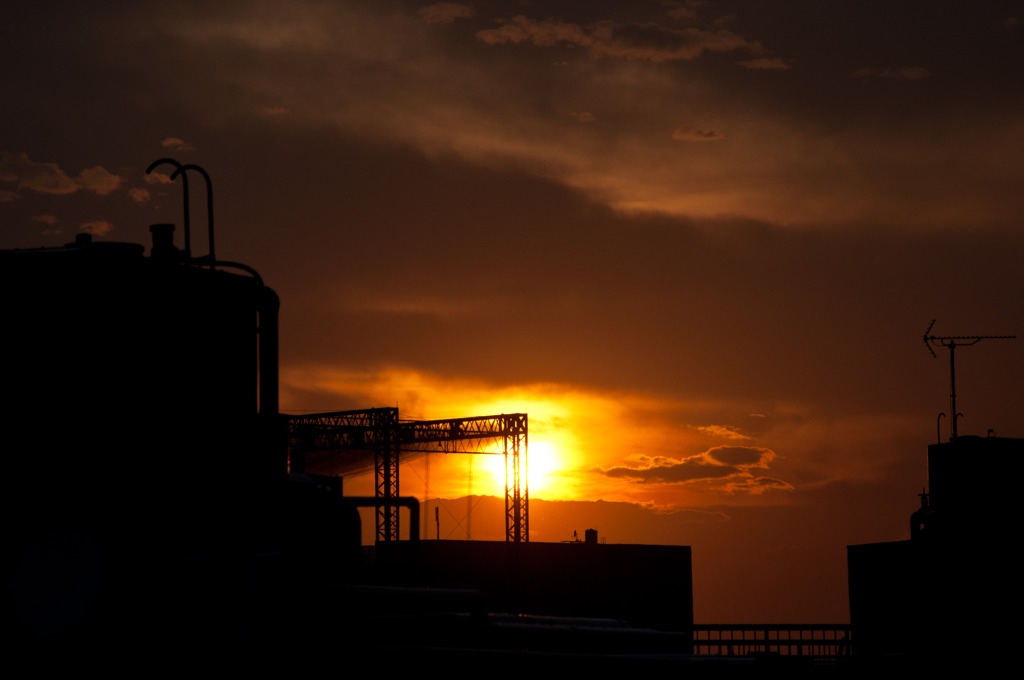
x,y
952,342
382,432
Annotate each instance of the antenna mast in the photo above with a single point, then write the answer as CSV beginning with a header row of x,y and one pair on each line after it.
x,y
952,342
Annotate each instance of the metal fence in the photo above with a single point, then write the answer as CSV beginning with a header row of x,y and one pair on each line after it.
x,y
821,643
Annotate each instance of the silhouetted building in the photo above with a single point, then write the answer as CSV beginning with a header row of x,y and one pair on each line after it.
x,y
647,585
144,461
953,590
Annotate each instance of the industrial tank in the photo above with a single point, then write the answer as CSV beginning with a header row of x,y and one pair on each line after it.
x,y
145,457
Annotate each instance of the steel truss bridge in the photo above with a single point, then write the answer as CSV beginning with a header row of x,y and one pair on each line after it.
x,y
382,432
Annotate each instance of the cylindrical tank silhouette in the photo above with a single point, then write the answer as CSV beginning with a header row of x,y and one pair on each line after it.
x,y
141,430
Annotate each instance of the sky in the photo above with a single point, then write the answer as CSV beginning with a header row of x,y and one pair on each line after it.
x,y
699,243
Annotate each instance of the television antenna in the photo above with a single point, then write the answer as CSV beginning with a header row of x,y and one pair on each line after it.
x,y
952,342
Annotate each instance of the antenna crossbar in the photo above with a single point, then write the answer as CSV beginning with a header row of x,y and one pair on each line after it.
x,y
952,342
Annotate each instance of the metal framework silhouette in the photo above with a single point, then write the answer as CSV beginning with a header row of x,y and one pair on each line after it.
x,y
381,431
952,342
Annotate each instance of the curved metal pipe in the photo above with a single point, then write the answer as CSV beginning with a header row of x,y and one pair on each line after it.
x,y
243,267
184,186
209,204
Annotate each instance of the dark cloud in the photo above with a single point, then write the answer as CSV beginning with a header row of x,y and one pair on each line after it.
x,y
757,485
651,42
445,12
901,73
97,227
718,463
765,64
176,144
721,431
741,456
687,470
773,483
99,180
688,133
49,178
44,178
668,470
157,177
684,10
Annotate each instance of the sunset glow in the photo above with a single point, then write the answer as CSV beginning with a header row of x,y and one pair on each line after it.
x,y
696,242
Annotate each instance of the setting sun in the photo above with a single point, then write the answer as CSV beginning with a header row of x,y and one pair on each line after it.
x,y
542,462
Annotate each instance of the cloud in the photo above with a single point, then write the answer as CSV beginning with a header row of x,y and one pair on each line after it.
x,y
8,196
445,12
99,180
393,78
585,117
138,194
720,431
97,227
765,64
649,42
724,467
741,456
770,483
685,10
901,73
755,485
50,221
275,110
545,33
176,144
49,178
158,178
911,73
688,133
686,470
44,178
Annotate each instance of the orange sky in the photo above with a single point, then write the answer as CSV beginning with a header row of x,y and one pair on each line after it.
x,y
697,242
